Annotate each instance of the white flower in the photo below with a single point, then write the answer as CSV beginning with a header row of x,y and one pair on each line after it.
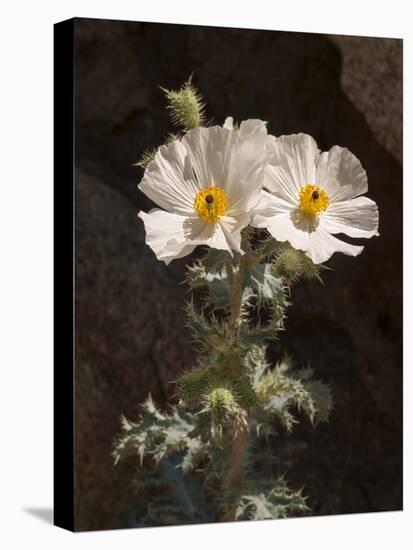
x,y
312,196
207,184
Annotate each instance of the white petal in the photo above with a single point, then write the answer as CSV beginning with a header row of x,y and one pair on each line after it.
x,y
278,181
356,218
232,228
165,235
219,240
267,207
283,228
252,127
197,231
229,123
168,180
246,174
322,246
341,174
282,221
209,150
295,156
214,235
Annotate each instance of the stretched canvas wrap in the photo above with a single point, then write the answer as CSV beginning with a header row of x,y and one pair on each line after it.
x,y
228,283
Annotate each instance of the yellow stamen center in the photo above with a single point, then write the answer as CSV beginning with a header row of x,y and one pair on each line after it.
x,y
313,200
211,203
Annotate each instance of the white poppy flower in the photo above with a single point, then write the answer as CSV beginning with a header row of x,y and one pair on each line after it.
x,y
207,183
309,196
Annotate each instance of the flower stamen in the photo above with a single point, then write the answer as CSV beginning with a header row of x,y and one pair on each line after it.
x,y
211,203
313,200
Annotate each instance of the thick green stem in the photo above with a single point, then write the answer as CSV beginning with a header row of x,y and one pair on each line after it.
x,y
240,433
234,277
235,473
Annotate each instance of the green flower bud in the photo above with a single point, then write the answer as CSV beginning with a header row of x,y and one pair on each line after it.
x,y
292,264
185,106
288,264
220,401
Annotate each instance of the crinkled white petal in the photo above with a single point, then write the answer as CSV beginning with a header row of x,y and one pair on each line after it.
x,y
168,180
341,174
246,173
279,217
165,234
357,217
232,227
302,232
209,151
322,246
247,127
219,240
252,126
293,159
224,235
229,123
232,160
283,228
198,231
278,181
268,207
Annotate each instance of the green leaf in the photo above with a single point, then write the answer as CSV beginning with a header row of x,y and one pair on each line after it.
x,y
280,389
155,434
279,502
214,260
219,291
210,334
210,273
261,278
323,400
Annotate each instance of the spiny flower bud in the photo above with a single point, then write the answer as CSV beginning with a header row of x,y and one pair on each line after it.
x,y
185,106
220,401
288,264
292,264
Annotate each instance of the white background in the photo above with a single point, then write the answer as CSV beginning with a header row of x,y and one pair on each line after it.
x,y
26,283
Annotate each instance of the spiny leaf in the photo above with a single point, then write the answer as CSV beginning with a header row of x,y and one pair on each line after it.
x,y
154,435
280,389
210,334
214,260
323,400
215,282
279,502
261,278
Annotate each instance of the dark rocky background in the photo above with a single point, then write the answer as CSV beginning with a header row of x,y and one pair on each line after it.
x,y
130,335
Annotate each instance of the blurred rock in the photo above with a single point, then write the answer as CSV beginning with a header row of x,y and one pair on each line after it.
x,y
372,79
130,340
